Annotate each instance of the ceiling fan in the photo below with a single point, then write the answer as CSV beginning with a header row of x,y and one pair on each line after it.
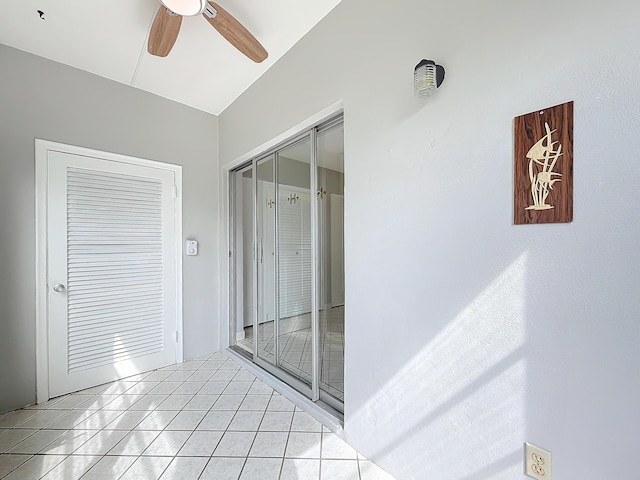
x,y
166,27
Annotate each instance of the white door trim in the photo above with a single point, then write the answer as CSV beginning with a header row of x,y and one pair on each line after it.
x,y
41,175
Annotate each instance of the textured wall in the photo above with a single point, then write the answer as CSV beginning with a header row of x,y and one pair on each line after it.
x,y
43,99
467,335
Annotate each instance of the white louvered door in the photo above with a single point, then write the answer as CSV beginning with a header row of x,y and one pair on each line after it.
x,y
294,234
112,270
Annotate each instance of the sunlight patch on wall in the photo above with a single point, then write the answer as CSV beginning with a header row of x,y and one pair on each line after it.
x,y
464,392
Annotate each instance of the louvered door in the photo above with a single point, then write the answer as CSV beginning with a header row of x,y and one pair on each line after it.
x,y
294,234
112,270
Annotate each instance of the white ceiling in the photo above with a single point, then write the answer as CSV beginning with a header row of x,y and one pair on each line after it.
x,y
109,38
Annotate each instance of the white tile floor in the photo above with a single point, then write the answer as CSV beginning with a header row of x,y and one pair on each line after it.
x,y
203,419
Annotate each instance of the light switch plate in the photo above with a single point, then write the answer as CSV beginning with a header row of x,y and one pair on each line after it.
x,y
537,462
191,247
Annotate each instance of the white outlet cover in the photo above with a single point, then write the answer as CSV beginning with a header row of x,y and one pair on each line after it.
x,y
537,462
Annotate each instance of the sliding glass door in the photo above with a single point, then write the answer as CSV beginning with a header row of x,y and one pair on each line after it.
x,y
330,180
265,208
292,222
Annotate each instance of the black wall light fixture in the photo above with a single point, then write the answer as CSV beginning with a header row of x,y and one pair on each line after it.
x,y
427,77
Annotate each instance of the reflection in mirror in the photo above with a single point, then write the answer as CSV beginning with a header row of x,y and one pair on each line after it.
x,y
294,260
330,166
272,210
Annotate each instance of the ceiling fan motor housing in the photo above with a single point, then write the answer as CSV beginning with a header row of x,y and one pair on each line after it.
x,y
185,8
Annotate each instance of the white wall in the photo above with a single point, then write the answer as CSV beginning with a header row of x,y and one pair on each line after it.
x,y
43,99
467,335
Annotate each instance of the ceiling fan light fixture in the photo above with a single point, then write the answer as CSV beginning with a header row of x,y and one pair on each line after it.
x,y
185,8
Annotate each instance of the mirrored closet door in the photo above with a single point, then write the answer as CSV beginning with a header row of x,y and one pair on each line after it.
x,y
287,262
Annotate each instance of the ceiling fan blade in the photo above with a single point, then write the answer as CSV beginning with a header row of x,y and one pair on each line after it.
x,y
164,32
234,32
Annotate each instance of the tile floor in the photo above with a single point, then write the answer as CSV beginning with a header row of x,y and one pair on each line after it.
x,y
203,419
295,347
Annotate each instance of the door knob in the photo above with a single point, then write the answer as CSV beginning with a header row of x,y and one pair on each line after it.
x,y
58,287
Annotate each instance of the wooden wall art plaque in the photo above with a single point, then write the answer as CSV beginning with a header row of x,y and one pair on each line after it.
x,y
543,166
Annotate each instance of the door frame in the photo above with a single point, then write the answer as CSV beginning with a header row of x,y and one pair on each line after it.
x,y
228,253
42,147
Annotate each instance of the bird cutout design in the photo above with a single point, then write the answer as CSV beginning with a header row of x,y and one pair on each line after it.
x,y
542,161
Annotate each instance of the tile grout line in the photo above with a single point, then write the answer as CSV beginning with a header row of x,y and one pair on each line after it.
x,y
135,426
235,375
105,455
230,422
254,437
286,444
141,455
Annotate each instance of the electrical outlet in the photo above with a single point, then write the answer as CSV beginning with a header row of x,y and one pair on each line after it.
x,y
537,462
